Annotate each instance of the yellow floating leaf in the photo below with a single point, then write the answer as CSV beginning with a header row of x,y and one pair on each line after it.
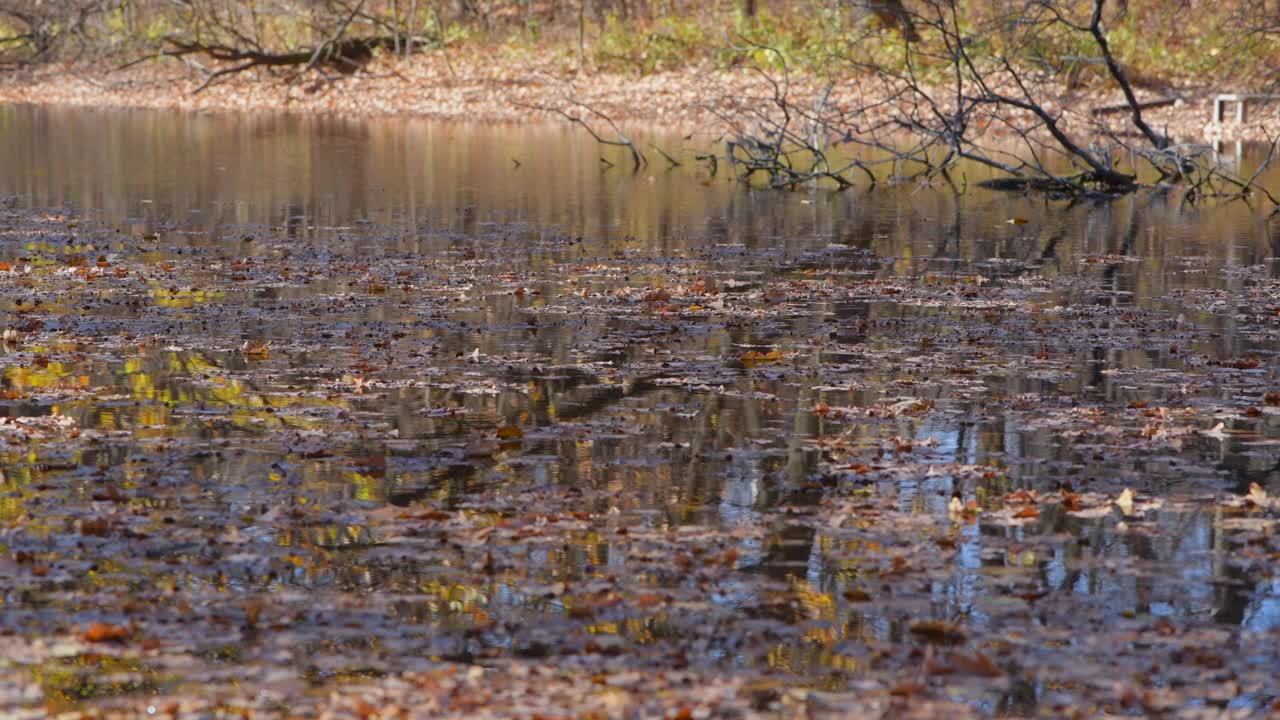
x,y
755,356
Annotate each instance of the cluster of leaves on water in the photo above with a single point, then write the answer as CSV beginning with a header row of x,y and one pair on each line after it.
x,y
514,473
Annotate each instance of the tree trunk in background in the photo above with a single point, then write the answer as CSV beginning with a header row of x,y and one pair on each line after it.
x,y
891,14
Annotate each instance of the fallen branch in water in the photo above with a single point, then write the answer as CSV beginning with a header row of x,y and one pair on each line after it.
x,y
1126,107
950,100
619,139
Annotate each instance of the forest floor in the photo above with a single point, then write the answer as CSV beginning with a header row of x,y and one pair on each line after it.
x,y
506,83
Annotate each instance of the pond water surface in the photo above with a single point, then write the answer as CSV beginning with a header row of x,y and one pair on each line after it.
x,y
302,404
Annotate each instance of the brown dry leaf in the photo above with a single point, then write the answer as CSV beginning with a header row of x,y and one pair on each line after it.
x,y
1026,512
96,527
976,664
939,632
857,595
906,690
510,432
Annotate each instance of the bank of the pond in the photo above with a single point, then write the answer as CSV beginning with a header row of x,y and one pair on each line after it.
x,y
507,84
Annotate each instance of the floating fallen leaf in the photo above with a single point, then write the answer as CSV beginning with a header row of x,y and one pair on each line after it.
x,y
955,663
104,632
938,632
1218,432
752,357
1125,501
96,527
510,432
1257,495
255,349
857,595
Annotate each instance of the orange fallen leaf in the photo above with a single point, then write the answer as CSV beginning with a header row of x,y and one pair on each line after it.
x,y
647,600
104,632
755,356
256,350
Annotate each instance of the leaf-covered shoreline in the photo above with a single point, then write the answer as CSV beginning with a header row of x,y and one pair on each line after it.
x,y
508,85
